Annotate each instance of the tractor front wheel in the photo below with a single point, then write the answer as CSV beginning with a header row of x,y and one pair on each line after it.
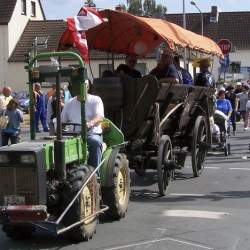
x,y
85,206
117,195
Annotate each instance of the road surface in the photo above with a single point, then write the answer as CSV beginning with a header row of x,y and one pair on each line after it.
x,y
209,212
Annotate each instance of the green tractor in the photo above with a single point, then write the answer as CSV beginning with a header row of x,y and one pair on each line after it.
x,y
46,183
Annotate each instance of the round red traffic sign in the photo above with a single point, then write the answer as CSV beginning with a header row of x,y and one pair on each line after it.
x,y
225,45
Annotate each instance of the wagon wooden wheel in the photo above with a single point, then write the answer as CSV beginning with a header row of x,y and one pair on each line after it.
x,y
164,164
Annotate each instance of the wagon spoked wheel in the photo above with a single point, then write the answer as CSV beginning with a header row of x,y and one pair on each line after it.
x,y
164,164
199,145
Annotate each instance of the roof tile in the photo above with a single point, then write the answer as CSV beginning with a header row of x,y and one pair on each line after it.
x,y
231,25
6,9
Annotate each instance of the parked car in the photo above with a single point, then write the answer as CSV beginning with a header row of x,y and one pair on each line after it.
x,y
23,100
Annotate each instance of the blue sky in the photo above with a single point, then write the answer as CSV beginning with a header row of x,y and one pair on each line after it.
x,y
61,9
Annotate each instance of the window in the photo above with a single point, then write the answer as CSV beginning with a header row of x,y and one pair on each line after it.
x,y
23,7
33,9
104,67
235,67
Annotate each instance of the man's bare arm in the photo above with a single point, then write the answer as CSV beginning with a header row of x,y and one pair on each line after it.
x,y
94,122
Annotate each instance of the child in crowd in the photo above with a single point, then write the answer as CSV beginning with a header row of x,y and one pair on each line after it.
x,y
12,131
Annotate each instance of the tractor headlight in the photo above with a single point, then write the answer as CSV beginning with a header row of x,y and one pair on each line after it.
x,y
4,158
29,158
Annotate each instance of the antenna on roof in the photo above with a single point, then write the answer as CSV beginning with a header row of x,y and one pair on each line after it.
x,y
40,42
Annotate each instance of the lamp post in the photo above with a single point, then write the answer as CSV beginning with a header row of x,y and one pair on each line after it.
x,y
195,5
184,26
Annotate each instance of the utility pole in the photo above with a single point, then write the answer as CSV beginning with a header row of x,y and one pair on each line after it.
x,y
202,25
184,26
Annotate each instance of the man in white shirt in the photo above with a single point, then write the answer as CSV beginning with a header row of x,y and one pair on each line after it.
x,y
94,115
5,97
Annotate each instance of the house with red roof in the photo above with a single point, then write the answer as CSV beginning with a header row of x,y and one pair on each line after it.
x,y
14,16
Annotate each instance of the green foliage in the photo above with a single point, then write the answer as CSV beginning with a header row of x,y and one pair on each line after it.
x,y
89,3
160,11
135,7
146,8
149,7
122,6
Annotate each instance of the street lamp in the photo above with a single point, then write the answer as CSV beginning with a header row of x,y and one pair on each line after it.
x,y
184,26
195,5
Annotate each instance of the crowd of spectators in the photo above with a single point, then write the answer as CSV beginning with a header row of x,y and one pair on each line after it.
x,y
232,99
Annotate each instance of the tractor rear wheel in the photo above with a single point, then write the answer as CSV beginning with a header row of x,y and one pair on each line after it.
x,y
87,203
117,196
18,232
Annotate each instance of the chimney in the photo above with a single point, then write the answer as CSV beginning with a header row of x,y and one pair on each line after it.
x,y
214,15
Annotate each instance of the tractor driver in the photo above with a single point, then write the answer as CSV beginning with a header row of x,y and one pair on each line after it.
x,y
94,116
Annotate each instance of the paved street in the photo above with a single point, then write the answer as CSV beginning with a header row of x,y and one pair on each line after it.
x,y
210,212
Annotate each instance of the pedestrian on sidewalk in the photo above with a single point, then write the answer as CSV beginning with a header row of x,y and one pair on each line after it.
x,y
242,98
51,112
40,110
238,88
12,131
223,104
246,124
231,96
5,97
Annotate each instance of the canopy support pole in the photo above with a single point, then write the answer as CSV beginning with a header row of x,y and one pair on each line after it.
x,y
111,42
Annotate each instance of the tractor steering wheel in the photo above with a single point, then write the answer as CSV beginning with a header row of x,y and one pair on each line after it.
x,y
71,129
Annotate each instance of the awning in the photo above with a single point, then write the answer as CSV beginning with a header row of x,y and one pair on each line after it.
x,y
128,34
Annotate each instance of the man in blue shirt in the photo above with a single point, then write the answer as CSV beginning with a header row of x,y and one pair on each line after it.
x,y
165,71
184,76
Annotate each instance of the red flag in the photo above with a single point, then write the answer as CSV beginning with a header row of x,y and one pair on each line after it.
x,y
87,18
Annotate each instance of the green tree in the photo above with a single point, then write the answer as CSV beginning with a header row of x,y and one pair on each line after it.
x,y
160,11
149,7
146,8
89,3
135,7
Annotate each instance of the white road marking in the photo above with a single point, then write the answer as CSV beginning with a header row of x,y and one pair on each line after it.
x,y
217,168
159,240
179,194
212,167
205,167
247,169
161,229
195,214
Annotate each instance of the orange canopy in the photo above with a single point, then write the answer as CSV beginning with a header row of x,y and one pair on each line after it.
x,y
128,34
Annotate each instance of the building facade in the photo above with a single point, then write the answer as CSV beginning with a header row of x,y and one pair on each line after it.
x,y
233,26
14,16
21,21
